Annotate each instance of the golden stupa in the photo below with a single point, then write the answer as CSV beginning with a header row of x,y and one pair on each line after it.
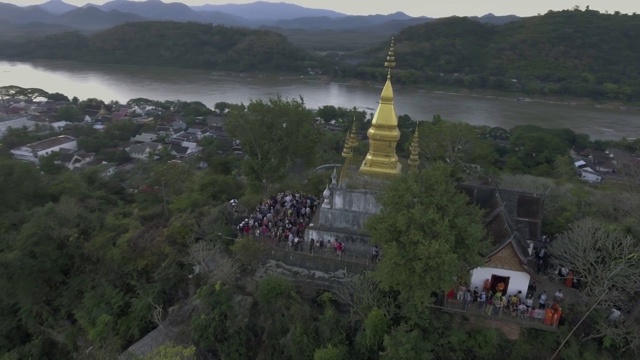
x,y
384,134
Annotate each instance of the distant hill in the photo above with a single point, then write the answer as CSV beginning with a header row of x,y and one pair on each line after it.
x,y
495,19
171,44
57,7
269,11
22,15
23,32
92,18
343,23
579,53
154,9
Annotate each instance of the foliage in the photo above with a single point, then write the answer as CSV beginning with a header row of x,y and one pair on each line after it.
x,y
603,258
249,253
570,52
429,234
68,113
57,97
274,134
172,352
454,143
187,45
330,352
216,326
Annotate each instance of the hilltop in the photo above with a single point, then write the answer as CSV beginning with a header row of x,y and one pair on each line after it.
x,y
579,53
172,44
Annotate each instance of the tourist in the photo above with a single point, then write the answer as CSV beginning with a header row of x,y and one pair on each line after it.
x,y
529,302
475,294
375,253
311,244
339,249
482,299
468,297
461,291
558,296
542,300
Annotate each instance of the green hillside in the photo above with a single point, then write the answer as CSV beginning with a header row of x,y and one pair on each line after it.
x,y
580,53
188,45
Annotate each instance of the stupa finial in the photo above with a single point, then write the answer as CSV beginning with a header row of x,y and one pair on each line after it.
x,y
414,158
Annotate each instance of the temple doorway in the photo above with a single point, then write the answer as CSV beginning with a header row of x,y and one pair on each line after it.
x,y
497,279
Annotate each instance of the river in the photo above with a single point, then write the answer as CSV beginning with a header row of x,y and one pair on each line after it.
x,y
118,82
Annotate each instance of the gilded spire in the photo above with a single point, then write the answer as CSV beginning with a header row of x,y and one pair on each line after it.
x,y
384,134
346,151
353,141
414,158
103,111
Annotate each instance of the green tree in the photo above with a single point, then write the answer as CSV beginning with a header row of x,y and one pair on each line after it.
x,y
327,113
172,352
274,134
68,113
454,143
330,352
49,166
57,97
220,325
428,232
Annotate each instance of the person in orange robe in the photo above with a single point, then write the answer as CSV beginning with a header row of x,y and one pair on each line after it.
x,y
569,280
556,317
548,316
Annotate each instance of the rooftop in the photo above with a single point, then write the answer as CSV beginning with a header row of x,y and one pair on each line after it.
x,y
49,143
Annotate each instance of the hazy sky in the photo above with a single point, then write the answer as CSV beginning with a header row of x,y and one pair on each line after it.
x,y
422,7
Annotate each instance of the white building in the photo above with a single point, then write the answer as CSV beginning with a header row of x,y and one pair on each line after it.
x,y
513,221
144,151
586,173
32,152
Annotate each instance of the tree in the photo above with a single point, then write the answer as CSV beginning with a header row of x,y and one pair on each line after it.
x,y
606,261
274,134
172,352
428,233
330,352
57,97
603,258
68,113
327,113
454,143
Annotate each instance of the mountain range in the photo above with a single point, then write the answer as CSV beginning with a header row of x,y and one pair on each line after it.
x,y
56,16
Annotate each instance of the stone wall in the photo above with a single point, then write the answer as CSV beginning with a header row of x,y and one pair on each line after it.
x,y
355,200
315,265
343,217
356,244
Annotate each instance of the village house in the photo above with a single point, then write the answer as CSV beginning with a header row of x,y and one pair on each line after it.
x,y
74,159
586,173
514,221
15,122
164,130
144,151
32,152
144,138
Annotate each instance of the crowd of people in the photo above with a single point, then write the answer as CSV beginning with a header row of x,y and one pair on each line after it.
x,y
494,301
283,217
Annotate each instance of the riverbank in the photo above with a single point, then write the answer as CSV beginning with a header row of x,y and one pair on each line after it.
x,y
502,95
125,82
